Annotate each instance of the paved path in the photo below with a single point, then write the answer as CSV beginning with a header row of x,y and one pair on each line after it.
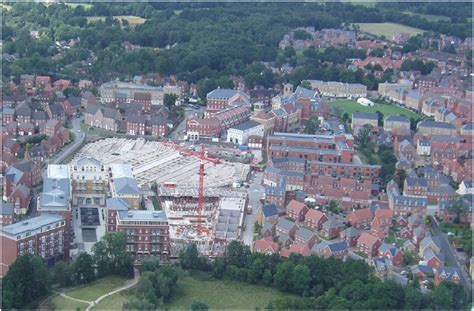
x,y
255,191
91,304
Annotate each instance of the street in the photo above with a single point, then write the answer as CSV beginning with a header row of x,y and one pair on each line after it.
x,y
255,191
451,260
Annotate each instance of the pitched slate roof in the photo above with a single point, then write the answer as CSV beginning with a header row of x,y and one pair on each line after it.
x,y
117,204
285,224
6,209
435,124
269,210
245,125
126,186
365,116
304,234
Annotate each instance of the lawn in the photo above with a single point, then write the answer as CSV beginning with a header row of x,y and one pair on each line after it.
x,y
351,106
62,303
387,29
96,289
131,19
114,302
222,294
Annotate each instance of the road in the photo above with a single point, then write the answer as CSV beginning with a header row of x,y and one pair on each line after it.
x,y
449,253
255,191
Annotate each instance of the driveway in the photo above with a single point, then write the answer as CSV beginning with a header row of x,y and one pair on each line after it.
x,y
255,192
451,259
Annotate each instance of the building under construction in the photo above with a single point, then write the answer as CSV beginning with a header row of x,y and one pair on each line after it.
x,y
218,222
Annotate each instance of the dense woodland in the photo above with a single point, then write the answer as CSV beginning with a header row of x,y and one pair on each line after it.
x,y
209,41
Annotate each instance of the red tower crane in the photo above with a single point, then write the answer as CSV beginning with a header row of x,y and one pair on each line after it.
x,y
201,188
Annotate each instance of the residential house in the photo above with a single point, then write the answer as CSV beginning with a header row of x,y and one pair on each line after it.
x,y
393,253
135,124
436,128
350,235
359,119
331,249
361,218
422,272
102,117
395,123
286,227
6,214
296,210
265,246
268,213
306,236
368,244
315,219
382,222
296,248
332,228
446,274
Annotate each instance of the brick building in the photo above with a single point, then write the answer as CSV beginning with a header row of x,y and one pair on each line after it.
x,y
41,236
147,233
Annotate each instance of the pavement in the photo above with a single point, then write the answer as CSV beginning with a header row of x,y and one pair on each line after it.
x,y
449,253
255,191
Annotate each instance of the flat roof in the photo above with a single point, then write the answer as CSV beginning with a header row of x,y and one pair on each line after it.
x,y
142,215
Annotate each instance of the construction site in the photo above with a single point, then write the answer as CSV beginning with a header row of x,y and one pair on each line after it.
x,y
195,191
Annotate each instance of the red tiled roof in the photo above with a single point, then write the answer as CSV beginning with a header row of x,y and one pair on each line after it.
x,y
298,248
360,195
265,245
367,239
383,213
358,215
295,206
314,214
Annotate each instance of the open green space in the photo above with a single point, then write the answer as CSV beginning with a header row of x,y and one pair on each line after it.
x,y
431,18
96,289
222,294
62,303
131,19
387,29
115,301
350,106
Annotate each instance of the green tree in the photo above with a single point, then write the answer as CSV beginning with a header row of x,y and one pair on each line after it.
x,y
458,208
26,281
169,100
301,280
111,256
150,264
312,125
399,178
306,84
198,305
62,274
267,277
283,276
83,269
189,258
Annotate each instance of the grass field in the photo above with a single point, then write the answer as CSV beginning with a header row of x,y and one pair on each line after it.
x,y
431,18
114,302
132,20
387,29
96,289
351,106
62,303
222,294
